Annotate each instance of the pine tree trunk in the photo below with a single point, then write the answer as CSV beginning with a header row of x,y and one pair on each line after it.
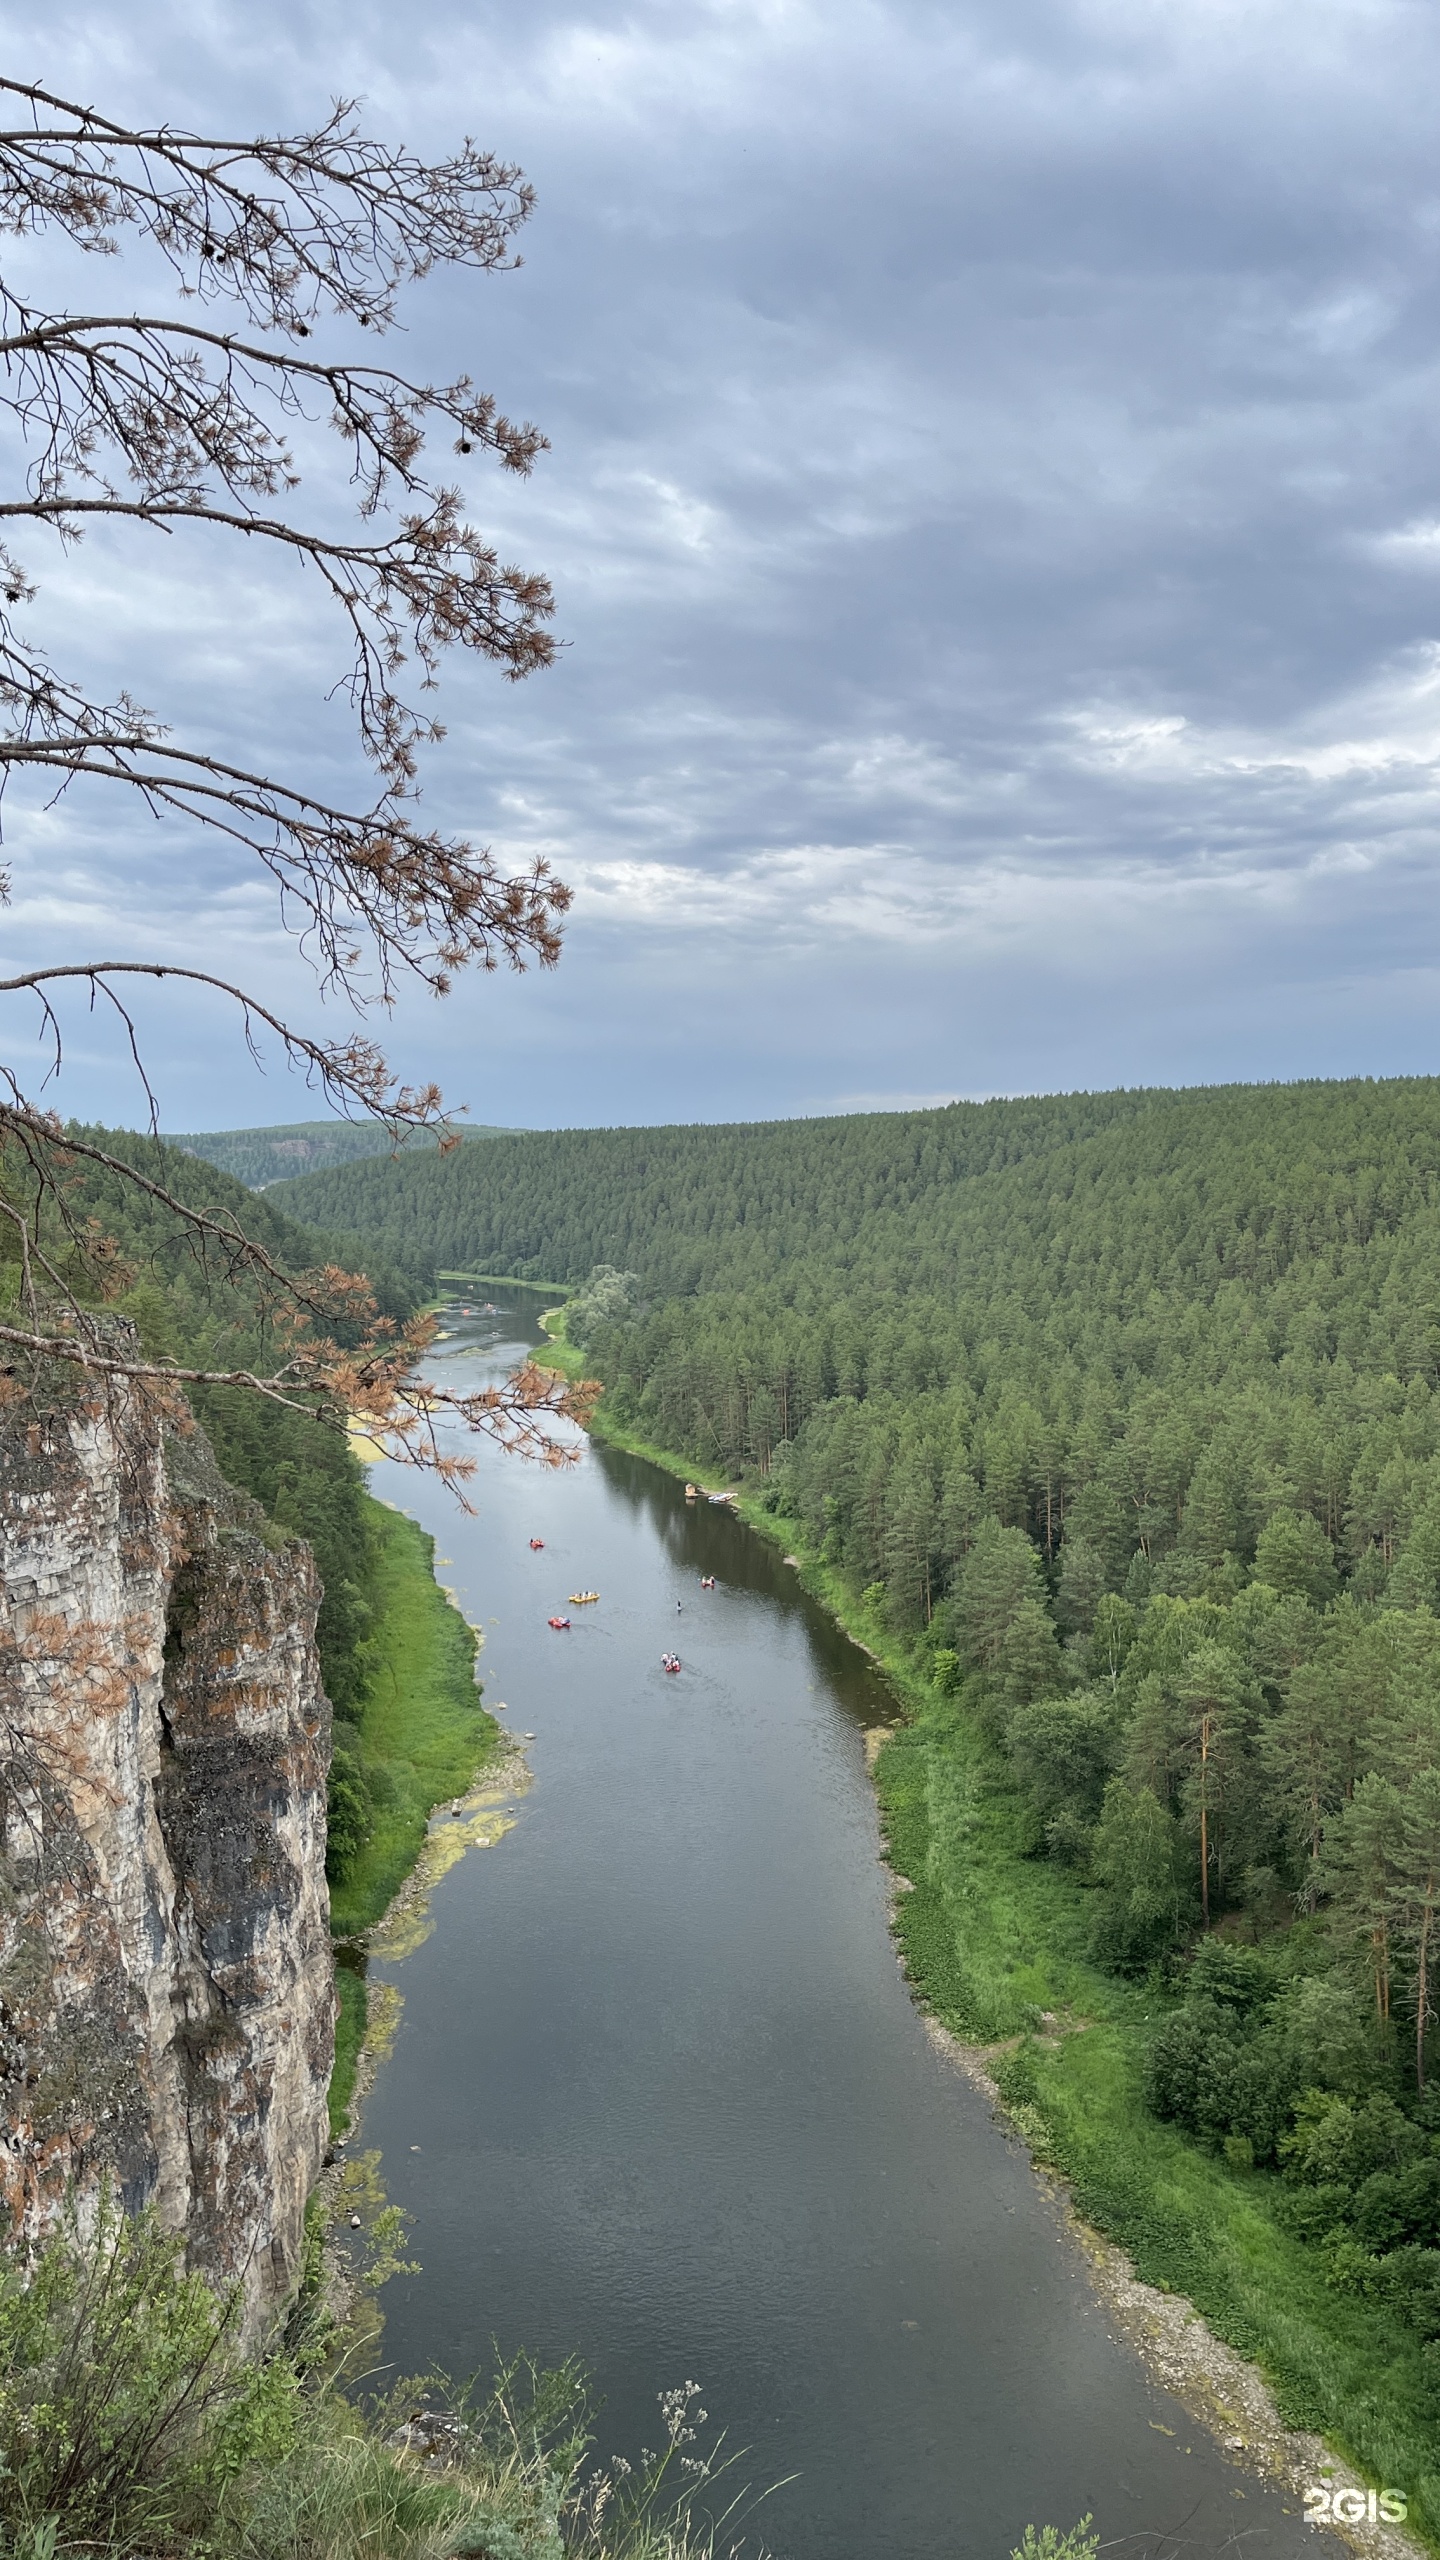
x,y
1205,1819
1422,1981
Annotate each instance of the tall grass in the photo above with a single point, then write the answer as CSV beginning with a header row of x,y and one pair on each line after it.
x,y
423,1730
133,2428
351,2018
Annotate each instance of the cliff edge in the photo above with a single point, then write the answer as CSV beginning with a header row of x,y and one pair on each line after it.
x,y
166,1982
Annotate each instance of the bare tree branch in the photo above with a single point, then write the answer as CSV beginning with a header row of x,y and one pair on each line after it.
x,y
349,1072
164,421
375,1390
286,227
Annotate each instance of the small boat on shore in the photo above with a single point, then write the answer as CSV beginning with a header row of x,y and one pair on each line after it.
x,y
557,1622
582,1599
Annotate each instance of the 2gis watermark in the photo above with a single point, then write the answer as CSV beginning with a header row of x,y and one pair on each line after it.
x,y
1325,2504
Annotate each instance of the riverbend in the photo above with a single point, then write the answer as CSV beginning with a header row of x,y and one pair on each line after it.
x,y
659,2096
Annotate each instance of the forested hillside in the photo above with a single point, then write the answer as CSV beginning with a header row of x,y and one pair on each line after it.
x,y
695,1207
1122,1413
260,1156
1123,1323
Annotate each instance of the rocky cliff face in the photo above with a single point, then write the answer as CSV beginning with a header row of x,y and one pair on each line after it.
x,y
166,1990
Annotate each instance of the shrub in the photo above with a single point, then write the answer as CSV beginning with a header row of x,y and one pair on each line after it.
x,y
1207,2073
126,2408
1062,1751
1047,2542
1409,2280
132,2427
349,1813
1335,2143
1236,1978
1068,1838
1396,2207
945,1670
1135,1860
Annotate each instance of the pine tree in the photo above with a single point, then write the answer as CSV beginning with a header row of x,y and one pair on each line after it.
x,y
1001,1572
1415,1899
1214,1703
1362,1871
1308,1750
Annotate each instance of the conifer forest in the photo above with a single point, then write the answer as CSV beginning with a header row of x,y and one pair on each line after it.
x,y
1121,1413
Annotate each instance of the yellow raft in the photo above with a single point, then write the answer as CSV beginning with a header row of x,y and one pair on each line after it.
x,y
578,1599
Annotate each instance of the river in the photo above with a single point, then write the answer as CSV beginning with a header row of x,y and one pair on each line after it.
x,y
659,2097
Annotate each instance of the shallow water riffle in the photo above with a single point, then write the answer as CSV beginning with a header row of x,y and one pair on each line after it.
x,y
659,2097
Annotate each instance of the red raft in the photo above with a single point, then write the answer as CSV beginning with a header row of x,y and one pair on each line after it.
x,y
537,1542
557,1622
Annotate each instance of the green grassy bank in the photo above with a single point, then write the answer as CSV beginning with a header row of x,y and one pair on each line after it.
x,y
351,2012
422,1736
995,1945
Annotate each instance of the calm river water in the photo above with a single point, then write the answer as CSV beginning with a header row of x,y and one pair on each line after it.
x,y
675,2111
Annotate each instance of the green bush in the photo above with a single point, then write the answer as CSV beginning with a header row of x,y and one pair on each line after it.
x,y
126,2409
350,1813
1144,1905
1333,2142
1062,1751
132,2427
1206,2073
1236,1978
1048,2542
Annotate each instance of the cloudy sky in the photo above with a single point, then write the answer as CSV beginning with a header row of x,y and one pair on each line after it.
x,y
994,506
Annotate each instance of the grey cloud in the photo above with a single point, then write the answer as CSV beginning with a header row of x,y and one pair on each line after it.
x,y
996,464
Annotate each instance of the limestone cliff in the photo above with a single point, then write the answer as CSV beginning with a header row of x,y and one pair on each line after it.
x,y
166,1989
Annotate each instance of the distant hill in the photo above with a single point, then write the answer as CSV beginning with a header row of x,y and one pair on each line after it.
x,y
699,1207
260,1156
